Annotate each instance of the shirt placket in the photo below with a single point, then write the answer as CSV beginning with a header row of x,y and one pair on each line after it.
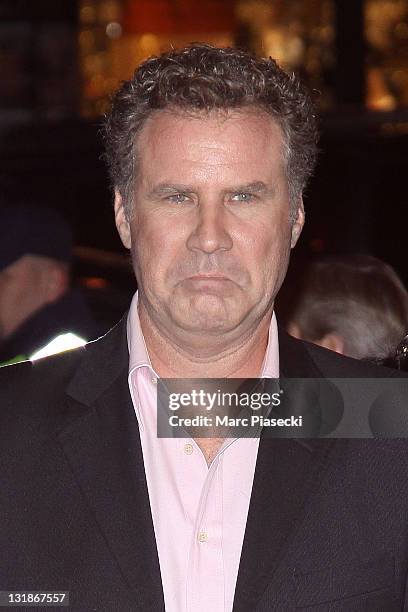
x,y
205,580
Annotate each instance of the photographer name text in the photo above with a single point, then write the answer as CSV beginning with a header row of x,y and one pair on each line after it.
x,y
226,421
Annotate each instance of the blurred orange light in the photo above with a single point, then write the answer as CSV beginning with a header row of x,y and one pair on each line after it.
x,y
94,282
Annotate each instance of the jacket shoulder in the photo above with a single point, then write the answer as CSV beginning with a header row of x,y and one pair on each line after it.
x,y
336,365
40,388
25,370
333,365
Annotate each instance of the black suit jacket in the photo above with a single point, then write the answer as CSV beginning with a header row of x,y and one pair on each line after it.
x,y
328,520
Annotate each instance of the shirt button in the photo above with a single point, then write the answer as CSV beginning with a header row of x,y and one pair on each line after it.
x,y
188,449
202,537
154,381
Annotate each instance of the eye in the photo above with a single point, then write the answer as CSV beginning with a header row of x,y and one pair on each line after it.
x,y
242,197
177,198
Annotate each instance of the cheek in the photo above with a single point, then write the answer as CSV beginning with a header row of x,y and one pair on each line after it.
x,y
147,239
268,241
269,253
155,246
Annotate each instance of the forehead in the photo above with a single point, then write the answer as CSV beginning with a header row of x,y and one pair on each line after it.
x,y
221,141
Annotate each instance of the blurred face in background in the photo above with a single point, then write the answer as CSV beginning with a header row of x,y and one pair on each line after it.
x,y
210,230
26,285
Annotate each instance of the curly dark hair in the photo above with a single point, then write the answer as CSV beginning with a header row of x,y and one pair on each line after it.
x,y
201,77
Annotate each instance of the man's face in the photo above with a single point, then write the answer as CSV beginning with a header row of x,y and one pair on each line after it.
x,y
23,291
17,284
210,233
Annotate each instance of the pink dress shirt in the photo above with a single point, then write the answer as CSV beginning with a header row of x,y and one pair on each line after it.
x,y
199,512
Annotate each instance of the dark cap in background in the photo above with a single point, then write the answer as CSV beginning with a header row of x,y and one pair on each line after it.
x,y
33,230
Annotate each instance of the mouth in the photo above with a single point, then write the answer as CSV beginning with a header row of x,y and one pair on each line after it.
x,y
209,283
209,276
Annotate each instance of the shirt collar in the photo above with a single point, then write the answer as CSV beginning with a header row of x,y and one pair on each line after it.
x,y
138,353
270,367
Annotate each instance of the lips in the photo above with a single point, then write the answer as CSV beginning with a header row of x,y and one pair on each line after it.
x,y
209,276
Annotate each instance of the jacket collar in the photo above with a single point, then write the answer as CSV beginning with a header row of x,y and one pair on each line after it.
x,y
102,362
294,358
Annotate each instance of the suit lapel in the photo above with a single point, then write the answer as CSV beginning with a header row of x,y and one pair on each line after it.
x,y
104,451
286,474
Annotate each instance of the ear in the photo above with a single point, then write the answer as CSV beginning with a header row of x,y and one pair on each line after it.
x,y
298,223
121,221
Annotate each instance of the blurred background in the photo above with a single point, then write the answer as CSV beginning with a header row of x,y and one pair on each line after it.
x,y
61,59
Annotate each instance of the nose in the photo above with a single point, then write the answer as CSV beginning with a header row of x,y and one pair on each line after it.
x,y
210,233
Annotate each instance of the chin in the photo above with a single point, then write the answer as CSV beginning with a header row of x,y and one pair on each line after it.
x,y
206,313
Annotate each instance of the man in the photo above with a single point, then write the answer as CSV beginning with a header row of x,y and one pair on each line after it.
x,y
37,304
209,151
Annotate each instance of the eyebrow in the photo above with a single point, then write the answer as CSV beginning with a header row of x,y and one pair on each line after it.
x,y
256,187
164,188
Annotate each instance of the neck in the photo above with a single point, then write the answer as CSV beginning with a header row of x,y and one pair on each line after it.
x,y
240,358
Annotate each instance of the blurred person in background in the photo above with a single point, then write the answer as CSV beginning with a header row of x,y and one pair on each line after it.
x,y
40,313
355,305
